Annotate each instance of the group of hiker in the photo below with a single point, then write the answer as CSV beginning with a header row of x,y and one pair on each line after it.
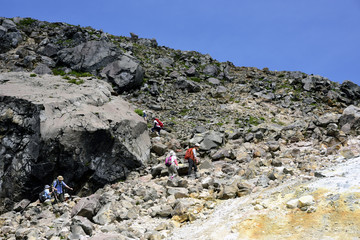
x,y
172,163
54,192
171,159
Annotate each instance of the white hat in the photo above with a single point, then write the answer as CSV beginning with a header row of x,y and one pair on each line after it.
x,y
197,145
172,153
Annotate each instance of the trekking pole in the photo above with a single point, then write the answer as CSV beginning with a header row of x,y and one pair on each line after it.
x,y
55,197
21,212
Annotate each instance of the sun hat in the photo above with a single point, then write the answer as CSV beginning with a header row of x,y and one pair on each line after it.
x,y
172,153
47,186
197,145
60,178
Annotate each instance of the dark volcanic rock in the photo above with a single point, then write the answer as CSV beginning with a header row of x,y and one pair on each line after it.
x,y
81,133
89,56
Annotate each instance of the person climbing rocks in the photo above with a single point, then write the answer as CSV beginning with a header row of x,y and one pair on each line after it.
x,y
172,164
145,115
158,125
45,195
58,186
191,156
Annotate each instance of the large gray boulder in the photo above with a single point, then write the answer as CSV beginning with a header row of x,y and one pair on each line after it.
x,y
89,56
350,119
208,140
10,37
50,127
351,90
190,86
124,73
211,70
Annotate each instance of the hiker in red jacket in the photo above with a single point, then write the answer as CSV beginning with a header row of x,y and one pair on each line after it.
x,y
158,125
192,159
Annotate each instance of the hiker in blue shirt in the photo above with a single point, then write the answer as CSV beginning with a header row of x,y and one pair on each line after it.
x,y
47,193
58,185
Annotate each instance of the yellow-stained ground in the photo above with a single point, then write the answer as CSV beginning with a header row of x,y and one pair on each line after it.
x,y
333,219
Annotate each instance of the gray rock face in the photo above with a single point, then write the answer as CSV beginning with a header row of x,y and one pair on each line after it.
x,y
48,50
10,37
208,140
190,86
89,56
49,126
42,69
350,119
211,70
350,89
125,73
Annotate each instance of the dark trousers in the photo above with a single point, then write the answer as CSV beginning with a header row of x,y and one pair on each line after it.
x,y
156,129
192,164
59,197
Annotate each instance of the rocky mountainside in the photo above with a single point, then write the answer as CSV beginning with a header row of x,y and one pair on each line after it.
x,y
70,99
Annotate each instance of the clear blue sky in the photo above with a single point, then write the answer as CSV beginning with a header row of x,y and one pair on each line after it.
x,y
319,37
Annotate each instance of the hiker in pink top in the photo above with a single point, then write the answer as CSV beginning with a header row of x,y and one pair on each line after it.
x,y
172,165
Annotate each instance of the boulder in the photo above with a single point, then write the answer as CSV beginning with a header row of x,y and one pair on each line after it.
x,y
306,201
84,223
105,215
87,207
10,37
42,69
351,90
220,91
191,71
89,56
223,153
164,63
125,73
293,203
21,205
211,70
49,50
328,118
214,81
190,86
178,192
51,127
350,119
211,139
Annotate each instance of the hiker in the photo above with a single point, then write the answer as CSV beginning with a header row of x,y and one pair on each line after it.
x,y
172,164
158,125
45,195
191,156
144,115
58,185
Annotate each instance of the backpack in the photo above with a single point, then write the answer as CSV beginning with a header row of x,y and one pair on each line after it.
x,y
168,161
42,196
57,183
160,123
189,154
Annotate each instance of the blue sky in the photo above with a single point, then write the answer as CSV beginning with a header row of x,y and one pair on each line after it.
x,y
319,37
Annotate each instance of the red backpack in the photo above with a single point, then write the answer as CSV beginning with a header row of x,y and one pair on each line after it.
x,y
160,123
189,154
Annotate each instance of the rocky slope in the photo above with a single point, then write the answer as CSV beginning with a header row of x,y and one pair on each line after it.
x,y
258,130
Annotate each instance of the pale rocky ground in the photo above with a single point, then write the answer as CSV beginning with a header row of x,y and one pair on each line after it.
x,y
264,214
